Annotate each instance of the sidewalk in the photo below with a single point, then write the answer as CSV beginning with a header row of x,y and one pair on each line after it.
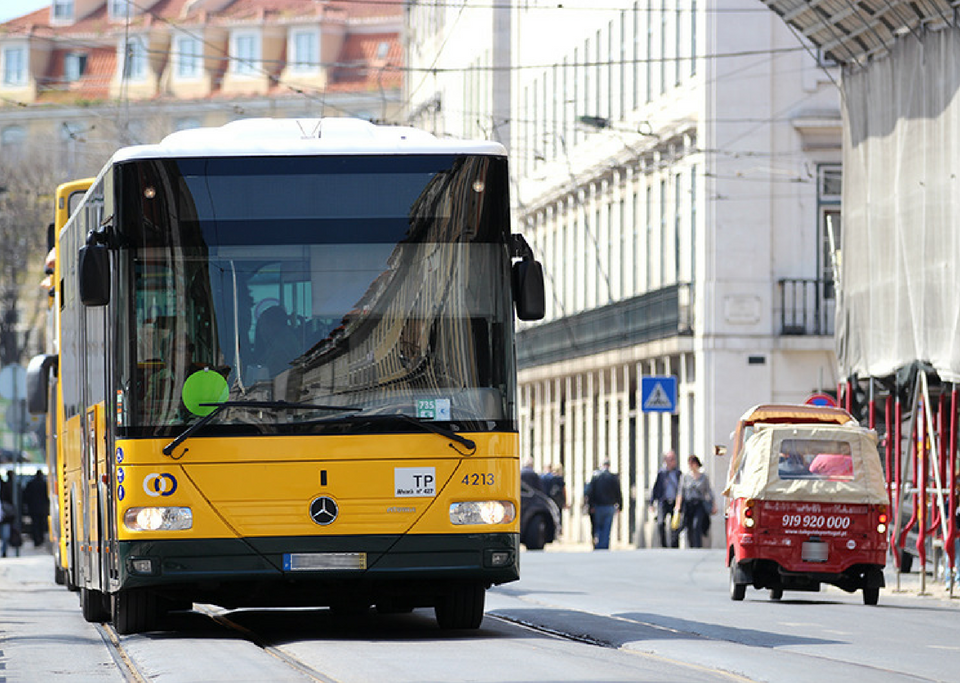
x,y
28,550
910,584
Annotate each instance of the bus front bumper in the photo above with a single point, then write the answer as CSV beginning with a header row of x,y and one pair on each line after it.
x,y
282,569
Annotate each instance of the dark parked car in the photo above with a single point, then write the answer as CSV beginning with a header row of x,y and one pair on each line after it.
x,y
539,518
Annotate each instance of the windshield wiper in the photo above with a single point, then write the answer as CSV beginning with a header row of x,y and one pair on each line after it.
x,y
268,405
427,426
422,424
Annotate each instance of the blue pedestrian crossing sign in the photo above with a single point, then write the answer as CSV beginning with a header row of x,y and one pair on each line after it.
x,y
658,394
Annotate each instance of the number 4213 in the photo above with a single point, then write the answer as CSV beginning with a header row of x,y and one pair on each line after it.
x,y
478,479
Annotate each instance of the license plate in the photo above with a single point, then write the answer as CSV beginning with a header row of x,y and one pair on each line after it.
x,y
814,551
314,562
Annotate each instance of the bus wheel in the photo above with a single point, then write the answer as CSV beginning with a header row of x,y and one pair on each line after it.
x,y
738,591
134,610
871,596
92,606
59,575
776,593
461,607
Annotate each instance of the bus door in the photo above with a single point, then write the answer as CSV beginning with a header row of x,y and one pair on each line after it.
x,y
96,480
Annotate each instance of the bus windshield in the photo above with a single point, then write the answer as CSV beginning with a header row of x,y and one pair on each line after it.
x,y
381,283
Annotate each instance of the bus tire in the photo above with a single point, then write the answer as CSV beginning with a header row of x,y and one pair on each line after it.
x,y
92,606
461,607
134,610
59,575
871,596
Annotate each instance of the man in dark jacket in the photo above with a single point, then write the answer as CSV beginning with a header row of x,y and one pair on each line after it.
x,y
604,499
664,496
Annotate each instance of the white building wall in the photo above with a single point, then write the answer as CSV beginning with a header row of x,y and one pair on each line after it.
x,y
704,176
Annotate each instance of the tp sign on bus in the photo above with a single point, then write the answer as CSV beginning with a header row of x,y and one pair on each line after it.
x,y
410,482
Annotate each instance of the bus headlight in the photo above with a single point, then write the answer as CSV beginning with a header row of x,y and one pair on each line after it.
x,y
158,519
483,512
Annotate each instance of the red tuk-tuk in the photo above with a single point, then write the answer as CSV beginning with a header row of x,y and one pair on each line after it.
x,y
806,503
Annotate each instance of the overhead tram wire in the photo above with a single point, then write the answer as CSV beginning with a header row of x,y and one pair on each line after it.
x,y
434,69
585,6
406,104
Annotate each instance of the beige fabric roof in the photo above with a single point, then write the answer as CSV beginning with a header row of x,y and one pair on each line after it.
x,y
757,474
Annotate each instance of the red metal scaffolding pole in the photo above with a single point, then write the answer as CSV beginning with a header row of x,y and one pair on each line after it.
x,y
949,544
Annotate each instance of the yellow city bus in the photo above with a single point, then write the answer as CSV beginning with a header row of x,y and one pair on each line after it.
x,y
287,373
66,199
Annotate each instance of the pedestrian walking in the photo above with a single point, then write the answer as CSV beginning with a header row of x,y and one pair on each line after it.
x,y
529,476
554,485
9,532
695,502
38,506
604,499
663,499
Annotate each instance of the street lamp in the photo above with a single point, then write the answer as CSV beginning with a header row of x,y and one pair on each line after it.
x,y
600,123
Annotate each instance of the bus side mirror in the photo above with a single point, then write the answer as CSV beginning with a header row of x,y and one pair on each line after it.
x,y
528,291
38,382
94,275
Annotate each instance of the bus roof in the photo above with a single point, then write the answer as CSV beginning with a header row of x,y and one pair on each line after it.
x,y
296,137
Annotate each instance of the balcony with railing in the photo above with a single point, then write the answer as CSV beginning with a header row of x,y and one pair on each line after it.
x,y
807,307
660,314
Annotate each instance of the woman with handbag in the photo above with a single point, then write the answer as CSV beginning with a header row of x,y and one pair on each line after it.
x,y
695,502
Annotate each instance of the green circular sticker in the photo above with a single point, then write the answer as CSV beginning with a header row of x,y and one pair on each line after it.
x,y
204,386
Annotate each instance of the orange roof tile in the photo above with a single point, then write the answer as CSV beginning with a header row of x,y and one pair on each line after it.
x,y
94,84
360,66
380,8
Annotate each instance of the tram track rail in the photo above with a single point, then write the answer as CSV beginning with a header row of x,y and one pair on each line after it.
x,y
586,639
272,650
125,664
557,632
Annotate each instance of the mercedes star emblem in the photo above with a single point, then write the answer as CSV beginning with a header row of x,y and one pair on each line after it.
x,y
323,510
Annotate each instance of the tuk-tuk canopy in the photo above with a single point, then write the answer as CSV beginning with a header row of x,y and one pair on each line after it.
x,y
810,462
795,412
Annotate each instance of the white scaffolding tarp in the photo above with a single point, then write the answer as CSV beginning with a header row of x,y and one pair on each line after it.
x,y
900,270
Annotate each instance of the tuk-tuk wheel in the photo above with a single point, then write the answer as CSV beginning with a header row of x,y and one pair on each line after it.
x,y
738,591
871,596
776,593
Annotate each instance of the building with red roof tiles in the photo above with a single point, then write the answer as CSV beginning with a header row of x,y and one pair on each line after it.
x,y
131,72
